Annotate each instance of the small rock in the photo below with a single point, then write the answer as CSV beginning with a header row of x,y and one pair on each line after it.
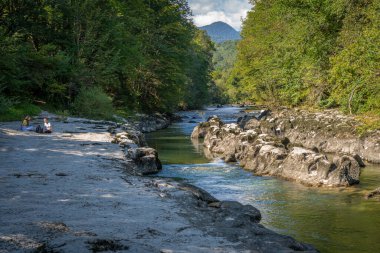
x,y
373,193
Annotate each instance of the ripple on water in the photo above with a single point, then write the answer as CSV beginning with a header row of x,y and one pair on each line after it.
x,y
334,220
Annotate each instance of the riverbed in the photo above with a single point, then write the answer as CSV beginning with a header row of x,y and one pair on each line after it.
x,y
333,220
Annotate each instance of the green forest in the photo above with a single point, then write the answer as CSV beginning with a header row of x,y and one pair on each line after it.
x,y
90,56
98,57
310,53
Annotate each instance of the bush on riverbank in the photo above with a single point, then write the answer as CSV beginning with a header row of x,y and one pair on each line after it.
x,y
93,103
16,112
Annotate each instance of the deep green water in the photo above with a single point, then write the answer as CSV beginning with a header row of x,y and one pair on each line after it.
x,y
333,220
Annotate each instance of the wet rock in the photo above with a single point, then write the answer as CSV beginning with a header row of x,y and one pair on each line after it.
x,y
345,172
237,223
54,226
243,210
359,160
373,193
198,193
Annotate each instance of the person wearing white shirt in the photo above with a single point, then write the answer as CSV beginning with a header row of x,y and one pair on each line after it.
x,y
47,126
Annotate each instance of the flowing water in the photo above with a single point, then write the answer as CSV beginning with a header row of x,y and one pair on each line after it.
x,y
333,220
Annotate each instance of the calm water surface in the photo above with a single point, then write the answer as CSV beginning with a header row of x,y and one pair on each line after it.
x,y
334,220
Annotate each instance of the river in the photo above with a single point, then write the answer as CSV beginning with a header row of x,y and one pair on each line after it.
x,y
333,220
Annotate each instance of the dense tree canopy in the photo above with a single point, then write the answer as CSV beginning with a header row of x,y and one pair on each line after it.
x,y
224,59
145,54
310,52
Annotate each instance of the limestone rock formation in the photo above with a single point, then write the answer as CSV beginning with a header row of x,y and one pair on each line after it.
x,y
273,155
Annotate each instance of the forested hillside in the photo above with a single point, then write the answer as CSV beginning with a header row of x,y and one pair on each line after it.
x,y
314,53
223,59
141,55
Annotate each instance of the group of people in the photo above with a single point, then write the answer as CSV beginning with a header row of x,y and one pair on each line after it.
x,y
26,126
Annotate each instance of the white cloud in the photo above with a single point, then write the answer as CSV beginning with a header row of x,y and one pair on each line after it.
x,y
229,11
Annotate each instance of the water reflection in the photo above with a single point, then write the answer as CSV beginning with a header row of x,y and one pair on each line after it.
x,y
334,220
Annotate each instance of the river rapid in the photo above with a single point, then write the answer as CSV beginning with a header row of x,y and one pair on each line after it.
x,y
333,220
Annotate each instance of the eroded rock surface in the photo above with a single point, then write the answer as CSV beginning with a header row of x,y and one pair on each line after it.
x,y
329,131
230,219
70,191
266,153
140,160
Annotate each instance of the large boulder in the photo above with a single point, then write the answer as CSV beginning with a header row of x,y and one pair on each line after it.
x,y
308,167
145,159
345,172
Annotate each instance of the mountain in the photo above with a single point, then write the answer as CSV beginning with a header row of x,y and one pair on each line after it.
x,y
220,32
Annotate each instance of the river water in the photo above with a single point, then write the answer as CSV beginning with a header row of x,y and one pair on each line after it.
x,y
333,220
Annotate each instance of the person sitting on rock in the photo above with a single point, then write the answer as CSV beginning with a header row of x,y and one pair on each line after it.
x,y
47,126
25,124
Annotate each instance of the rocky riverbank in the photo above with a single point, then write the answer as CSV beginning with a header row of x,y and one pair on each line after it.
x,y
328,131
277,144
78,190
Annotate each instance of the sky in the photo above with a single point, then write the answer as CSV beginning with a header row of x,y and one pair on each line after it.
x,y
229,11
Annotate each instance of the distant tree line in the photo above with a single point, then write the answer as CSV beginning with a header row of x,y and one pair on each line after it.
x,y
144,55
310,53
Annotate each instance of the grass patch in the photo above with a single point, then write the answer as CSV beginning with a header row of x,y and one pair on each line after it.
x,y
19,111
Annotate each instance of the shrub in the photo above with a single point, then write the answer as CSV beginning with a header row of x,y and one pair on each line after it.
x,y
5,104
18,111
93,103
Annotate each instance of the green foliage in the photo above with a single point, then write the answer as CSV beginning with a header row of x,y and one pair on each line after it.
x,y
314,53
93,103
369,122
223,60
199,72
142,53
19,111
355,72
5,104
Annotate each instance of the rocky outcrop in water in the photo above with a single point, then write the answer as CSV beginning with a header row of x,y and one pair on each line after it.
x,y
145,159
140,160
269,154
231,220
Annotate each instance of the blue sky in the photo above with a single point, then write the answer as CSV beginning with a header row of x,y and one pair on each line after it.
x,y
229,11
